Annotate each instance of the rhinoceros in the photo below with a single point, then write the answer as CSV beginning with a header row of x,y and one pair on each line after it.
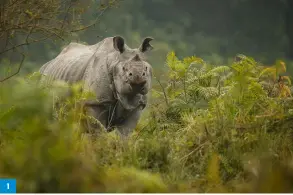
x,y
120,78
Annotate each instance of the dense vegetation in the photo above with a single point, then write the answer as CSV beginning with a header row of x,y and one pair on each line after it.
x,y
209,129
214,123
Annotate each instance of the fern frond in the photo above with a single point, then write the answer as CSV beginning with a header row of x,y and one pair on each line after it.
x,y
172,60
246,60
271,71
204,92
220,69
193,79
285,92
280,67
192,60
207,75
287,78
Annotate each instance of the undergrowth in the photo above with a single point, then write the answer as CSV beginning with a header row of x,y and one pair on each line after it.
x,y
207,129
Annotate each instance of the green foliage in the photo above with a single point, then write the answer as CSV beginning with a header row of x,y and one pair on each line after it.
x,y
272,79
238,120
47,155
207,129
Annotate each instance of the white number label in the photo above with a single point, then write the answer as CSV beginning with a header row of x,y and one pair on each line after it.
x,y
7,186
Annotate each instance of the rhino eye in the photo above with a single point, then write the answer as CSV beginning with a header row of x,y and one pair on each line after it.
x,y
143,74
130,74
146,68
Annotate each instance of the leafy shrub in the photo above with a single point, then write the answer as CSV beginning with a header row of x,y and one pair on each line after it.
x,y
207,129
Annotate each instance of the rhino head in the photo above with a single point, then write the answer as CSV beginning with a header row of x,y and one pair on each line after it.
x,y
132,74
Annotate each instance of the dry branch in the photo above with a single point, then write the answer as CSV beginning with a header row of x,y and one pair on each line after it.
x,y
49,19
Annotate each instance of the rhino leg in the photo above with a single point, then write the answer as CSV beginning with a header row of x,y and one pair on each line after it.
x,y
126,127
100,114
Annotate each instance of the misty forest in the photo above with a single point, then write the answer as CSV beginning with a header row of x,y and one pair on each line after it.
x,y
219,112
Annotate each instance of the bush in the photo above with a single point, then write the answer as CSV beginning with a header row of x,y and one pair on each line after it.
x,y
209,129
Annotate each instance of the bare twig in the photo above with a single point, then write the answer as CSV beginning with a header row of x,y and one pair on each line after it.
x,y
42,18
25,43
164,92
17,71
94,23
196,149
66,15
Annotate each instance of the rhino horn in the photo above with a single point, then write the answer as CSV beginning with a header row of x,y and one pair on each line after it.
x,y
136,58
118,43
146,46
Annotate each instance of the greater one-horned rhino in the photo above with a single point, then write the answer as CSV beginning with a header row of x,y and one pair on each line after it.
x,y
120,78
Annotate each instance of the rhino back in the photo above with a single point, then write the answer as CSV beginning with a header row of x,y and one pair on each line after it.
x,y
71,63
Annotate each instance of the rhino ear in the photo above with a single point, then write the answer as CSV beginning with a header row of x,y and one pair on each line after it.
x,y
118,43
146,46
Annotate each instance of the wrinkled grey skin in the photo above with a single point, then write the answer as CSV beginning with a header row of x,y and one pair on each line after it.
x,y
119,76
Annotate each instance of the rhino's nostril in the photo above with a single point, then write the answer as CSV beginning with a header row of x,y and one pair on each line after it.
x,y
143,74
130,74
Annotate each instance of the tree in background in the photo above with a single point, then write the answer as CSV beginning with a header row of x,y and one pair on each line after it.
x,y
211,29
207,28
23,23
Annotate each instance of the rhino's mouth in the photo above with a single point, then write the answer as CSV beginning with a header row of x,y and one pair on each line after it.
x,y
130,102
